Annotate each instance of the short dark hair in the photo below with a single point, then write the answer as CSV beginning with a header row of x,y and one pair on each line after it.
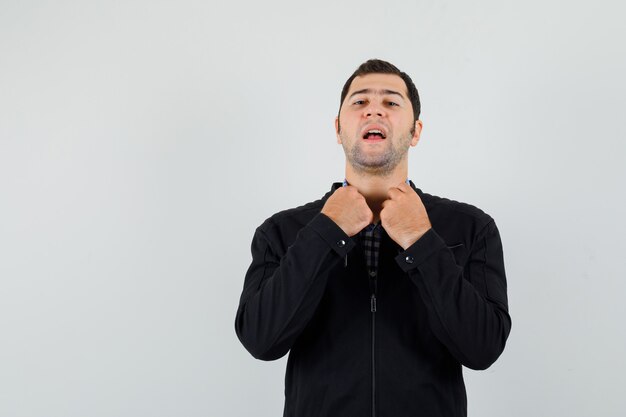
x,y
377,66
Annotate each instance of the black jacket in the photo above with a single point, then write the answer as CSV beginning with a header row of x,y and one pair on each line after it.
x,y
387,346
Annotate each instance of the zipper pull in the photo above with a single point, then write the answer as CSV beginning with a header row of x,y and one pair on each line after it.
x,y
345,265
373,304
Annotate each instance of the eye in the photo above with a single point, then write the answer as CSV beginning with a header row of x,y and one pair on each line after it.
x,y
359,102
392,103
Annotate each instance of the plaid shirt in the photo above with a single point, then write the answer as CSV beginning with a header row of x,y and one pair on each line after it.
x,y
370,240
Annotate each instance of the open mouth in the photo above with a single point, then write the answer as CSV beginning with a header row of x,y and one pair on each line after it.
x,y
374,134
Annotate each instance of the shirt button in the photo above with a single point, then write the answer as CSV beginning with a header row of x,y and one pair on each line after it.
x,y
341,243
372,274
409,259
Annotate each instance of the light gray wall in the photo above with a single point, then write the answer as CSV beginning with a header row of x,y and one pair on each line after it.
x,y
142,142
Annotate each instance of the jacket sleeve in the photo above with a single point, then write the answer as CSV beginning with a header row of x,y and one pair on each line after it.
x,y
467,307
282,290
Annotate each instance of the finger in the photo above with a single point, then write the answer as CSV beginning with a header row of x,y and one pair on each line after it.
x,y
353,190
394,192
383,217
388,204
405,187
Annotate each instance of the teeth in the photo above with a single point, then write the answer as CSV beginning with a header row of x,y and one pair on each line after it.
x,y
374,132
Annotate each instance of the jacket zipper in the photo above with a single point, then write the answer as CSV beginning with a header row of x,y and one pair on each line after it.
x,y
373,288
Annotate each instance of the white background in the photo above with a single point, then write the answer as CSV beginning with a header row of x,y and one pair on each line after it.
x,y
142,142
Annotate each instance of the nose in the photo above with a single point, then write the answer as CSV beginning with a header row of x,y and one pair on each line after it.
x,y
374,109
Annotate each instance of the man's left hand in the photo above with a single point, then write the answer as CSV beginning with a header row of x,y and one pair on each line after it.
x,y
404,216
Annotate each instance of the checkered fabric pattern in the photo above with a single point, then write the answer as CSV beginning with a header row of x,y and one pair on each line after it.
x,y
370,240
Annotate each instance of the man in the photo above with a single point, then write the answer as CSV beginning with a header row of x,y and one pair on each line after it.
x,y
380,291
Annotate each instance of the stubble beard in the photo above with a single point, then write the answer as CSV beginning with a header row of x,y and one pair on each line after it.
x,y
379,165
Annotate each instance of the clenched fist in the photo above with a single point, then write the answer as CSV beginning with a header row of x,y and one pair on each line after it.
x,y
404,216
348,208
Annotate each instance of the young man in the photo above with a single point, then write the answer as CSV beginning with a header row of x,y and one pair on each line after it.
x,y
380,291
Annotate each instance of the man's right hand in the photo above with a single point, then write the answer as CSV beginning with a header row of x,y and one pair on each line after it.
x,y
348,208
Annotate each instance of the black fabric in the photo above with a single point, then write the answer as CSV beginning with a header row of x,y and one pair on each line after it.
x,y
440,304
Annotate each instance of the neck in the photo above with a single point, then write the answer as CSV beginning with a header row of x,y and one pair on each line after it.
x,y
374,187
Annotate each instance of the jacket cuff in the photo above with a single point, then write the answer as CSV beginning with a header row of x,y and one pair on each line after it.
x,y
336,238
422,249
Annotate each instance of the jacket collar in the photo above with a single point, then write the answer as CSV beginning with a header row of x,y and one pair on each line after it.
x,y
397,247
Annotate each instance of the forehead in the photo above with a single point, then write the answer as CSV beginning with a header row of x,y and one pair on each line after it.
x,y
378,82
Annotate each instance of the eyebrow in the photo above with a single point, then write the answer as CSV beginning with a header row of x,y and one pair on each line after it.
x,y
378,92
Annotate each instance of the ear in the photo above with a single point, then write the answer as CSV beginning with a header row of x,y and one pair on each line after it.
x,y
337,130
418,132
